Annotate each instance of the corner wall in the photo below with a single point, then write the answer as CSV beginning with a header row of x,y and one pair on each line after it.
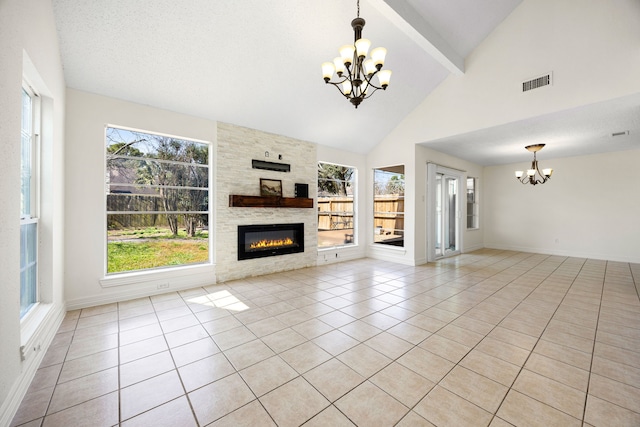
x,y
27,30
590,208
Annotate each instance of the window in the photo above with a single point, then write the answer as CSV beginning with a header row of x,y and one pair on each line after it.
x,y
29,155
336,212
157,201
473,221
388,205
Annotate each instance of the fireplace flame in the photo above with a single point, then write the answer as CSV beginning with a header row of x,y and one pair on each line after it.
x,y
260,244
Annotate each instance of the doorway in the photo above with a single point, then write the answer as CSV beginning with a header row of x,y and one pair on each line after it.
x,y
443,215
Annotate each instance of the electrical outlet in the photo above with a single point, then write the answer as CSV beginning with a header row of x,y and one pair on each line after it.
x,y
163,285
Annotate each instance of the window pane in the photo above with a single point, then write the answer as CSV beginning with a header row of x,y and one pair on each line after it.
x,y
388,205
157,201
26,156
472,204
28,266
336,187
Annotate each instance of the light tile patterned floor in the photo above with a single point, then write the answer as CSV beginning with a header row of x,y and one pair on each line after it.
x,y
493,338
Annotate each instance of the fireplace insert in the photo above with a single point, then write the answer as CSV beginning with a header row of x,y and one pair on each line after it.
x,y
257,241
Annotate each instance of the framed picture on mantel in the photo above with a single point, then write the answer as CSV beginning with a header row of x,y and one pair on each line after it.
x,y
270,187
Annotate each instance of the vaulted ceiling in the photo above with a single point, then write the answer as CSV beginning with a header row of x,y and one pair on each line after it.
x,y
257,63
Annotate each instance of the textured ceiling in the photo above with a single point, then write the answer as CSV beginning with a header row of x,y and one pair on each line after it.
x,y
257,63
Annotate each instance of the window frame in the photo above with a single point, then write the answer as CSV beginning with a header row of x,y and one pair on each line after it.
x,y
354,223
474,215
390,170
166,271
30,216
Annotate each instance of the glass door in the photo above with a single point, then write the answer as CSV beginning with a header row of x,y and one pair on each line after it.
x,y
444,214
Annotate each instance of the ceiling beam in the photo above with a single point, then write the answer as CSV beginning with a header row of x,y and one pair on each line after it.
x,y
407,19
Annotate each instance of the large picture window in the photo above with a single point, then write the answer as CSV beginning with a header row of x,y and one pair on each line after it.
x,y
157,199
388,205
336,211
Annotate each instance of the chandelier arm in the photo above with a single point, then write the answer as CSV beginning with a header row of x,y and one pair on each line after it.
x,y
337,86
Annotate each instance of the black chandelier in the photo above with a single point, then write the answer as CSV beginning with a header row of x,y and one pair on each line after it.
x,y
355,70
530,177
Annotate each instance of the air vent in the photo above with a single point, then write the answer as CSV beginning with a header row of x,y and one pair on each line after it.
x,y
536,83
623,133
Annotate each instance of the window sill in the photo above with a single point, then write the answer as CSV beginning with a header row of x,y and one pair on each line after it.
x,y
124,279
29,327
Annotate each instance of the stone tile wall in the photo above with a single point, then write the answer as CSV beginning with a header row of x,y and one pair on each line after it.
x,y
236,147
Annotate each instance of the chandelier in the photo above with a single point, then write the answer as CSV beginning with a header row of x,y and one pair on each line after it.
x,y
355,70
530,177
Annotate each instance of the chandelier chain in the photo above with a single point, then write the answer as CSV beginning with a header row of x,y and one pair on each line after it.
x,y
358,3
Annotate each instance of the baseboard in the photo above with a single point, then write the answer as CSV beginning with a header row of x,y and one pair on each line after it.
x,y
565,253
334,255
389,253
43,336
129,292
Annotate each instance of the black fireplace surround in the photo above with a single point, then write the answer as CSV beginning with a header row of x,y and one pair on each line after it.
x,y
258,241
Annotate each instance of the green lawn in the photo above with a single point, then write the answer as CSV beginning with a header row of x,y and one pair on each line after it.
x,y
157,249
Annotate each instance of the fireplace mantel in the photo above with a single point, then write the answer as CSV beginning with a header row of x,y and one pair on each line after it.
x,y
239,201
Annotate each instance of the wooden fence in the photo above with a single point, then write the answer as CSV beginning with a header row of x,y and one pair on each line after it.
x,y
336,213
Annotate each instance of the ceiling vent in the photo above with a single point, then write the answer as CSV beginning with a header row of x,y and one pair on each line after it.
x,y
623,133
537,82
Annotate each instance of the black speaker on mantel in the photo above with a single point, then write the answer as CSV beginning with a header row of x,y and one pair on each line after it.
x,y
302,190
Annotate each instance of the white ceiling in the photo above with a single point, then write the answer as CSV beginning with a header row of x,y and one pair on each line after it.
x,y
257,64
579,131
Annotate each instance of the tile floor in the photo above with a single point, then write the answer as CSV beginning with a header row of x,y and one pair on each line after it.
x,y
493,338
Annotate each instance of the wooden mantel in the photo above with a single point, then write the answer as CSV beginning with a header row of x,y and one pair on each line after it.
x,y
269,202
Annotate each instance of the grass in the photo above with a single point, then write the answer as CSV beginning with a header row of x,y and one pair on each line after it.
x,y
157,250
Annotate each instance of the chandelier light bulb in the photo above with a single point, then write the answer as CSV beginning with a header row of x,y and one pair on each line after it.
x,y
362,47
547,172
346,87
327,70
337,62
377,55
346,53
369,67
519,174
384,76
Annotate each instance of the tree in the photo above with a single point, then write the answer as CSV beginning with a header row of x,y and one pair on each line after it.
x,y
334,179
171,172
395,185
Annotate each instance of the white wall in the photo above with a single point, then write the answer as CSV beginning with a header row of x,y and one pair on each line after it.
x,y
87,117
347,158
27,27
590,208
591,46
